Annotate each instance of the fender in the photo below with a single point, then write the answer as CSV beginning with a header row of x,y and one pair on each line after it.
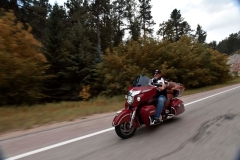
x,y
125,116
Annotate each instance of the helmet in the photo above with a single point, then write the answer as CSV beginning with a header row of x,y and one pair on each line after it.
x,y
157,71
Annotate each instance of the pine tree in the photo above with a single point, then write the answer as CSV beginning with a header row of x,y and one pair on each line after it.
x,y
175,27
146,17
213,45
117,17
134,25
69,51
36,16
200,34
54,36
230,44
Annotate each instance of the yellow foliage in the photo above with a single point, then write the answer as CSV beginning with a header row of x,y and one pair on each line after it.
x,y
16,40
85,93
185,61
22,65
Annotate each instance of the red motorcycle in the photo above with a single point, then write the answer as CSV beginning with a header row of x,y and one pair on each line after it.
x,y
141,104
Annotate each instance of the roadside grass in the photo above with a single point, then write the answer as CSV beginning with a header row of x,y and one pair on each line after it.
x,y
26,117
208,88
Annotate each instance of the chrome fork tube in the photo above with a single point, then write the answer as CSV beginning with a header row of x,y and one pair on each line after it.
x,y
132,118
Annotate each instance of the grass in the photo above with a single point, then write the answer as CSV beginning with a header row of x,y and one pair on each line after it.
x,y
24,117
208,88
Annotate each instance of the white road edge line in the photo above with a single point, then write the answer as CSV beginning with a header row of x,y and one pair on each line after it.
x,y
93,134
211,96
58,144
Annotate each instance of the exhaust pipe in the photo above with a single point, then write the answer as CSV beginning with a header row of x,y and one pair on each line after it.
x,y
170,116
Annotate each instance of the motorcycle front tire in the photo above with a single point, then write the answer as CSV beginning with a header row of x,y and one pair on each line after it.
x,y
123,131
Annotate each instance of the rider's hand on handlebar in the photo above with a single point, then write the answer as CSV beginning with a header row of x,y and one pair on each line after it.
x,y
162,87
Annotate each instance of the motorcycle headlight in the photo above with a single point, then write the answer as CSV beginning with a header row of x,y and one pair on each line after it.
x,y
130,99
130,96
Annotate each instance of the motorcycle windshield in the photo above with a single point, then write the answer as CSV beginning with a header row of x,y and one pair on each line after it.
x,y
141,81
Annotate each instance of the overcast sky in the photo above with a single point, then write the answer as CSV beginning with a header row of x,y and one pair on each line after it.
x,y
219,18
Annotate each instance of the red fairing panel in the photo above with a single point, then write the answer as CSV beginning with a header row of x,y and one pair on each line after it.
x,y
178,106
125,116
147,111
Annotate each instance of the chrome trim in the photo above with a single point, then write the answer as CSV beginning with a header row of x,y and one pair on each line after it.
x,y
174,110
170,116
132,117
133,93
167,111
118,112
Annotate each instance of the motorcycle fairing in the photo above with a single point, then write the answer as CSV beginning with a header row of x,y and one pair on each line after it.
x,y
147,111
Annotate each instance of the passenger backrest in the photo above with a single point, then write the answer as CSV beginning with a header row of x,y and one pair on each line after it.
x,y
169,87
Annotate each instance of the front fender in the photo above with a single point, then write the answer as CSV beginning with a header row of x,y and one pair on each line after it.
x,y
124,116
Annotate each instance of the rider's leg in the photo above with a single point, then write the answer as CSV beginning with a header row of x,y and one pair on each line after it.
x,y
161,100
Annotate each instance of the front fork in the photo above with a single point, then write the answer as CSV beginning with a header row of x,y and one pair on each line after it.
x,y
132,118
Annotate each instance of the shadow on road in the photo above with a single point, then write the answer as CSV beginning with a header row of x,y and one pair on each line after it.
x,y
148,131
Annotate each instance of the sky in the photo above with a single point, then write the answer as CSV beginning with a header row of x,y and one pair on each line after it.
x,y
219,18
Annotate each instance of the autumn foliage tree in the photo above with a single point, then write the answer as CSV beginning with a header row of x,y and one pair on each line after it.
x,y
186,61
21,64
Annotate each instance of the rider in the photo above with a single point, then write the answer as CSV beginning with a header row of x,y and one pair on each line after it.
x,y
161,95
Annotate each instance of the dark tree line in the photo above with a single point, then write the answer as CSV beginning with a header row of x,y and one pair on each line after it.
x,y
229,45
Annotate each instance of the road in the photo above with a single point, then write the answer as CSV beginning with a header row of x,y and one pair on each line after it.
x,y
209,129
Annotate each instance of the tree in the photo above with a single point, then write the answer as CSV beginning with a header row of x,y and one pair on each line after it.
x,y
33,12
200,34
118,15
10,5
69,51
213,45
134,24
36,15
99,10
175,27
223,46
230,44
185,61
146,17
22,66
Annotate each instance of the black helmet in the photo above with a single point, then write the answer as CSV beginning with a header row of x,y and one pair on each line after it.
x,y
157,71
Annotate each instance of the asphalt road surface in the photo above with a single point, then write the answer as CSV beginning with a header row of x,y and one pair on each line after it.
x,y
209,129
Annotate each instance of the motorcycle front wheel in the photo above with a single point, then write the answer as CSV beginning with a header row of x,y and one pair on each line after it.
x,y
124,131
